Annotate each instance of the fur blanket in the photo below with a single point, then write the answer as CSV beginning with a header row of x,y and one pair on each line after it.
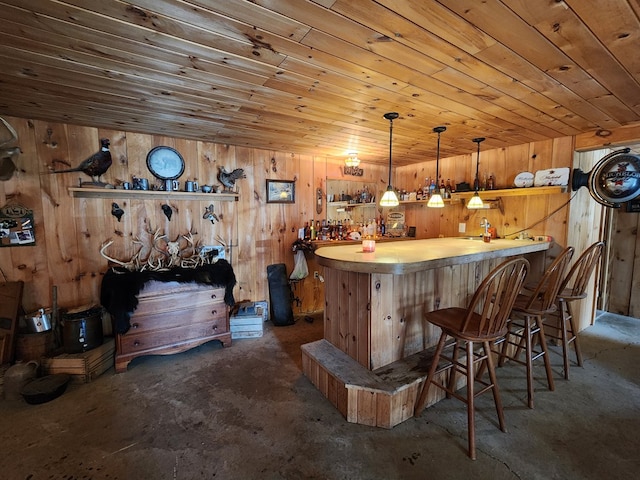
x,y
120,287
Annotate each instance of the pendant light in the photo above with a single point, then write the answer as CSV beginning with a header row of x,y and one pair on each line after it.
x,y
390,199
436,199
476,201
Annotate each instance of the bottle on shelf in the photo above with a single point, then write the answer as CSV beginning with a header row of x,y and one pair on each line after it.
x,y
425,189
432,187
491,183
312,230
447,189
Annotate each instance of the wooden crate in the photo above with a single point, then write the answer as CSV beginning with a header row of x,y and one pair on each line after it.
x,y
83,367
246,326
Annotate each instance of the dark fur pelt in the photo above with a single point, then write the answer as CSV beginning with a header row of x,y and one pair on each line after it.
x,y
120,288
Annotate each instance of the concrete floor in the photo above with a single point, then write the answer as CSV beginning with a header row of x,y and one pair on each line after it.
x,y
247,412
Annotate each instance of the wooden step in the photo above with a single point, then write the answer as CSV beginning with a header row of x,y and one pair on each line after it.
x,y
383,397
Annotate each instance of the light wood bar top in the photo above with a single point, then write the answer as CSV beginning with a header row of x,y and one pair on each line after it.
x,y
416,255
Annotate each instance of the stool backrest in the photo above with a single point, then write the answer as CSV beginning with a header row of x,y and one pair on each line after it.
x,y
579,275
543,297
494,298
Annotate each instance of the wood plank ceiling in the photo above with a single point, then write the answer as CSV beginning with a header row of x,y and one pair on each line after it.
x,y
316,77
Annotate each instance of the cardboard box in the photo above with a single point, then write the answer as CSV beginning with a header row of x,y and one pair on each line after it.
x,y
83,367
244,326
260,307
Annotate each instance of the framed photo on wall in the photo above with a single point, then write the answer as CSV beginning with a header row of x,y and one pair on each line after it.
x,y
281,191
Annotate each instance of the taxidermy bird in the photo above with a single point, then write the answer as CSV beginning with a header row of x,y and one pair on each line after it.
x,y
228,179
167,210
210,215
116,211
7,154
94,166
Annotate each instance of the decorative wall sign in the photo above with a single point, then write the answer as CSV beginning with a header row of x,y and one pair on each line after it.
x,y
17,228
355,171
281,191
165,163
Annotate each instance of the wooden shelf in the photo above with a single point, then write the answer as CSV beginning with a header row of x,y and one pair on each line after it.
x,y
510,192
79,192
495,194
350,205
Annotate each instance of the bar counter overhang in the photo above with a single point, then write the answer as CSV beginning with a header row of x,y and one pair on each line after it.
x,y
375,351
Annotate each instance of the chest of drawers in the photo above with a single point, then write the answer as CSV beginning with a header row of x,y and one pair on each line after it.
x,y
172,317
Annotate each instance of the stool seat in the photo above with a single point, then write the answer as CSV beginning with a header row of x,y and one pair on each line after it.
x,y
526,323
574,289
481,322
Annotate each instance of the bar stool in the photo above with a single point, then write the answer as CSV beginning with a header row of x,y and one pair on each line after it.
x,y
526,322
482,321
573,289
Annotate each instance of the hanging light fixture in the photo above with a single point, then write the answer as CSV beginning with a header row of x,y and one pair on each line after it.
x,y
476,202
436,199
352,160
390,199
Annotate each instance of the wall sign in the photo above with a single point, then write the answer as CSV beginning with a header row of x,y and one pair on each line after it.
x,y
16,226
355,171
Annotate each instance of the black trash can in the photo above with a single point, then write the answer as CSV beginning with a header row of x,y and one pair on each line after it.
x,y
279,295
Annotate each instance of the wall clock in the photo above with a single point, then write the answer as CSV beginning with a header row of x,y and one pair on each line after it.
x,y
165,163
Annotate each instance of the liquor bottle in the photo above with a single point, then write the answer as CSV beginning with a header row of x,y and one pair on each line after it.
x,y
419,193
491,183
312,230
383,228
425,189
432,187
447,188
442,188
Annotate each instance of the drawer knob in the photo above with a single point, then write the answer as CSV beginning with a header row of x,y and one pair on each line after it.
x,y
136,343
213,312
213,295
215,327
135,325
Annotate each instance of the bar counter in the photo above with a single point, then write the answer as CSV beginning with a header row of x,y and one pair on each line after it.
x,y
400,257
373,317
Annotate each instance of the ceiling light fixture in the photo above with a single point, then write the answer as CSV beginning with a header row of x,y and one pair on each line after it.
x,y
476,201
390,199
436,199
352,160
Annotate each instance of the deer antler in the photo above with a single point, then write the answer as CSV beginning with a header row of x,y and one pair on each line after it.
x,y
128,265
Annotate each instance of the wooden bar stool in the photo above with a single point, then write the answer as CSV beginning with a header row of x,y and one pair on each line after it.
x,y
573,289
482,321
526,322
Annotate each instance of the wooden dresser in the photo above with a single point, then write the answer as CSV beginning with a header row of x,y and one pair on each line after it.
x,y
172,317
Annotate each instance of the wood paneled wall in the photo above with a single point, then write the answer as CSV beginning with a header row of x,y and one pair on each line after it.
x,y
69,231
536,214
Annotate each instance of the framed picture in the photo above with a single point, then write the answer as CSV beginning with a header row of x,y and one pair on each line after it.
x,y
281,191
17,228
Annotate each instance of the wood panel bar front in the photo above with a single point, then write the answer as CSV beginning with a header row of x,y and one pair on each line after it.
x,y
374,313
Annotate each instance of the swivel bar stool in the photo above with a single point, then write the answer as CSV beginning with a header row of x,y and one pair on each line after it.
x,y
573,289
482,321
526,322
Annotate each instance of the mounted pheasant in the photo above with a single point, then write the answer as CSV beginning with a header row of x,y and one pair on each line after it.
x,y
228,179
94,166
